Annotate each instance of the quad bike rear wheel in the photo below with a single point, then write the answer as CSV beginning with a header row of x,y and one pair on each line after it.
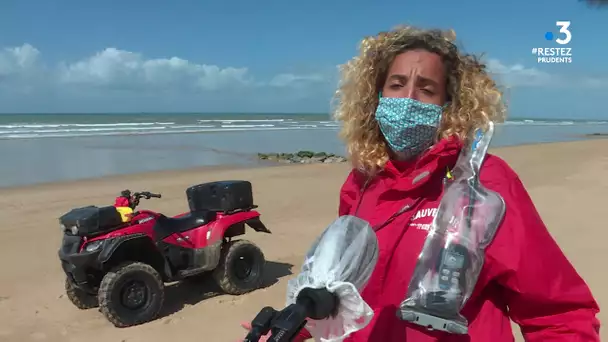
x,y
241,267
130,294
78,297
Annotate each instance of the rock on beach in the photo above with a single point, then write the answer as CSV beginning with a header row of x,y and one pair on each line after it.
x,y
302,157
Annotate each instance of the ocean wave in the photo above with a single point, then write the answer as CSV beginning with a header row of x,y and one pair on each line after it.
x,y
86,130
30,135
21,130
118,124
553,122
245,126
243,120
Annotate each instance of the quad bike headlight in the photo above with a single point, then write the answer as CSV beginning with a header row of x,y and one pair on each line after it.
x,y
72,229
93,246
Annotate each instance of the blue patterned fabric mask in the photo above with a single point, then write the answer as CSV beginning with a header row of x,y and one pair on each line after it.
x,y
409,126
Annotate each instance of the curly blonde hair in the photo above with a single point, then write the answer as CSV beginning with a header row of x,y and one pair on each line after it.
x,y
474,98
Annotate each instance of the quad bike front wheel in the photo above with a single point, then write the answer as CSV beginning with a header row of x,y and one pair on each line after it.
x,y
78,297
241,267
130,294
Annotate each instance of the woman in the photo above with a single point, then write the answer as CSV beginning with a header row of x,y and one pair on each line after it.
x,y
408,104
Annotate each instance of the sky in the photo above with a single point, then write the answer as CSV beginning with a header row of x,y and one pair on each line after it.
x,y
275,56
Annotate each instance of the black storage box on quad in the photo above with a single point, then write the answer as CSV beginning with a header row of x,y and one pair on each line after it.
x,y
91,219
224,196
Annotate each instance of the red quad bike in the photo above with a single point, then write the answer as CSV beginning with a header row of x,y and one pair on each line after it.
x,y
122,266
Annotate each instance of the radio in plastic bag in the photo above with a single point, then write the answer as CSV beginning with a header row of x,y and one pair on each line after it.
x,y
453,254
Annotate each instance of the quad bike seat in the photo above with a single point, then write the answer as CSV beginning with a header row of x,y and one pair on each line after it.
x,y
166,226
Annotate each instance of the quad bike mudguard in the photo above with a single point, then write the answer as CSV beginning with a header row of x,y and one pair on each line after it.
x,y
120,247
453,253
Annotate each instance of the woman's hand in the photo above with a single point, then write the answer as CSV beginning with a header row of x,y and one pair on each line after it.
x,y
247,326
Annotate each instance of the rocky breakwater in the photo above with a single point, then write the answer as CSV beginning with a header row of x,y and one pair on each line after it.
x,y
302,157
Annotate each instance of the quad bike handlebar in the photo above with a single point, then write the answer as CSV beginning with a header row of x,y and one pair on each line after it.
x,y
136,196
146,195
285,325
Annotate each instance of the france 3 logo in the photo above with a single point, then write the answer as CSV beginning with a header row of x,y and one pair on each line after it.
x,y
556,55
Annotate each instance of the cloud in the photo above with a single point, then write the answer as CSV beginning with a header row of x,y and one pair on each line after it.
x,y
21,70
114,68
282,80
114,79
18,59
120,70
517,75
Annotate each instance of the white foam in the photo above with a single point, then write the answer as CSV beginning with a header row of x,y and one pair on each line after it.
x,y
118,124
243,120
51,130
171,130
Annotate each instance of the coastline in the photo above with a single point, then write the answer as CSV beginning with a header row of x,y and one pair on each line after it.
x,y
296,202
123,177
256,164
596,135
42,160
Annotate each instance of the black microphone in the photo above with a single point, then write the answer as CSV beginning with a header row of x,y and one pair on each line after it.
x,y
261,324
285,325
342,259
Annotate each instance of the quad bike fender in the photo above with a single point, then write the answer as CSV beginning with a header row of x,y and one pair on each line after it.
x,y
257,225
135,247
234,225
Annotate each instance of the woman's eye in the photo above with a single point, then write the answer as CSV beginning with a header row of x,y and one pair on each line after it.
x,y
428,91
395,86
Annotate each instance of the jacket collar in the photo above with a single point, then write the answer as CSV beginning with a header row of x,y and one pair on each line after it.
x,y
434,163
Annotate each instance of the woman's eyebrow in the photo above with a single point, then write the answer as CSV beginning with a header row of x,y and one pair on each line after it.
x,y
420,79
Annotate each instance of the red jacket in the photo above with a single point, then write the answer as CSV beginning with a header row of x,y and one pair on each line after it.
x,y
526,277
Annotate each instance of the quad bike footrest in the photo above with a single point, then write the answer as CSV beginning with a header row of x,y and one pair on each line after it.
x,y
191,272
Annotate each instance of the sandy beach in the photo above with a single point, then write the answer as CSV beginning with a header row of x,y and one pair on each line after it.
x,y
296,202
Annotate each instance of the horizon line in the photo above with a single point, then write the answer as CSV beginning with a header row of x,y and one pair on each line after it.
x,y
254,113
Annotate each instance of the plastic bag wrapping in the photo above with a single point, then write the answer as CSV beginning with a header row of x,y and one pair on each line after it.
x,y
453,254
342,260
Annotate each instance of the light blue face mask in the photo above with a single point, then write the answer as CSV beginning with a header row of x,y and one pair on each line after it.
x,y
409,126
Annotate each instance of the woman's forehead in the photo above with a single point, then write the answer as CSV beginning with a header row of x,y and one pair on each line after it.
x,y
417,62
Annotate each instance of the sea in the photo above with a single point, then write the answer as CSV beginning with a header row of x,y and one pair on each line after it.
x,y
41,148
